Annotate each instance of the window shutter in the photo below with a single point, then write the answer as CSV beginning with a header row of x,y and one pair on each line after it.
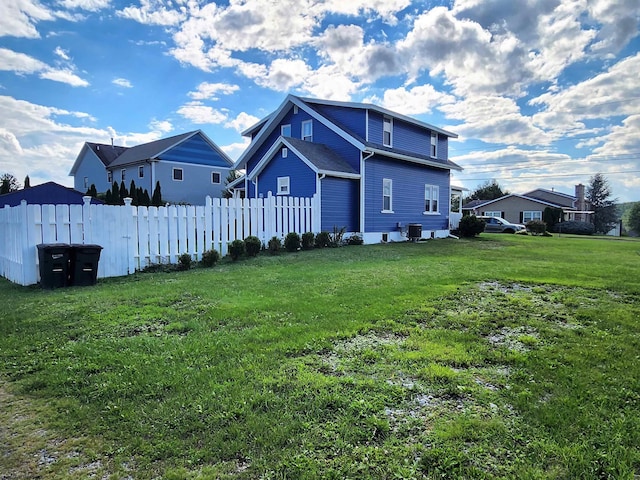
x,y
521,217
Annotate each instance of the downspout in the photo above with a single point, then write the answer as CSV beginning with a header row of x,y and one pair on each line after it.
x,y
362,188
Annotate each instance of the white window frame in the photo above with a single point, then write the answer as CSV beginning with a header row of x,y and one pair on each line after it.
x,y
110,177
533,214
219,178
284,128
86,182
123,174
285,152
434,145
175,170
387,184
307,137
141,171
492,214
284,185
387,127
431,199
295,109
455,197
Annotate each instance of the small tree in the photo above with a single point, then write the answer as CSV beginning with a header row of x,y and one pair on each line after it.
x,y
133,193
92,191
27,182
156,198
490,190
292,242
551,216
8,183
470,226
605,213
233,175
122,192
634,218
236,249
252,245
115,194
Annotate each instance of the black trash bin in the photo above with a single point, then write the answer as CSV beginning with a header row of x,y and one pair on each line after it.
x,y
84,264
54,264
414,231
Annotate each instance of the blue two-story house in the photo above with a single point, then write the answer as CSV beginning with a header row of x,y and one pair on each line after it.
x,y
375,171
189,167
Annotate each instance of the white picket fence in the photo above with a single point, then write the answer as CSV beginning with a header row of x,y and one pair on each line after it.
x,y
135,237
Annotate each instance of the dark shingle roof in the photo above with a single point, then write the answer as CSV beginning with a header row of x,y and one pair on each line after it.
x,y
106,153
49,193
149,150
321,156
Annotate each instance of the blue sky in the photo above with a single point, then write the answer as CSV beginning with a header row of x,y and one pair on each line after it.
x,y
543,94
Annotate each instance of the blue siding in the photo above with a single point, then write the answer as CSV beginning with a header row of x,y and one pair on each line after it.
x,y
443,147
91,167
340,204
375,127
407,197
351,119
195,185
195,150
302,179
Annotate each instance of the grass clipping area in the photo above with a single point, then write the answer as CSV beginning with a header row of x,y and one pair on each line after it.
x,y
503,357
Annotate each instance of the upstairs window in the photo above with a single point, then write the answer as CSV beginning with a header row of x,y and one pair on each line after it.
x,y
295,109
215,178
86,182
110,177
434,145
307,131
285,152
140,172
431,194
283,185
387,128
387,191
285,130
123,174
177,174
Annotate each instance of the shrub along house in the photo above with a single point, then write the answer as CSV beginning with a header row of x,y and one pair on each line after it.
x,y
189,167
375,171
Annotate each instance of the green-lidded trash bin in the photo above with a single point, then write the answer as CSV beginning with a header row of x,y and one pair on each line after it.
x,y
54,264
84,264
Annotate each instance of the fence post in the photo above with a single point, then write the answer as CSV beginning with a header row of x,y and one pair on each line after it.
x,y
131,214
87,227
316,214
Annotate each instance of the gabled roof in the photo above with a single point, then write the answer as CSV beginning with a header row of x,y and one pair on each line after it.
x,y
552,192
320,158
105,153
264,128
49,193
151,150
484,203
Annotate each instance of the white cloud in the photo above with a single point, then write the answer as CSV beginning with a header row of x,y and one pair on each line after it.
x,y
200,114
242,122
89,5
620,20
415,101
234,150
62,53
20,64
163,126
122,82
18,18
152,12
209,91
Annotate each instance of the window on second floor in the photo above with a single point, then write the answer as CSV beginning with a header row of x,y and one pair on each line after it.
x,y
86,182
307,131
110,177
215,177
387,195
141,172
387,131
283,185
285,152
123,174
434,144
177,174
285,130
431,194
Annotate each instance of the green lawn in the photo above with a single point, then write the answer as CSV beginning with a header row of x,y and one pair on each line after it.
x,y
500,357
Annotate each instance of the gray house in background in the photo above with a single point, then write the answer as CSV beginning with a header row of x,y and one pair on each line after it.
x,y
189,167
530,206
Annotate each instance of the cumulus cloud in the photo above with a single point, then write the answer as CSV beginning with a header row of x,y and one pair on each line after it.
x,y
122,82
89,5
21,64
242,122
199,113
210,91
414,101
150,12
18,18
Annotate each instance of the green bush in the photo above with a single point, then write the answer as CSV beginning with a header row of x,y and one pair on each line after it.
x,y
292,242
275,245
355,239
184,261
573,227
336,239
252,245
308,240
470,226
323,239
236,249
210,258
536,227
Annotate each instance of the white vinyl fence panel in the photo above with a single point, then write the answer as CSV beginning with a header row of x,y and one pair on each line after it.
x,y
135,237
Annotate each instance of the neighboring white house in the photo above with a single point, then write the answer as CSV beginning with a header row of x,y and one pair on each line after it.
x,y
189,167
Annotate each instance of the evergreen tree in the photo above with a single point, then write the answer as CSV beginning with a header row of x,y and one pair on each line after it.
x,y
156,199
122,192
605,213
133,193
108,198
115,194
233,175
634,218
27,182
146,197
94,190
551,216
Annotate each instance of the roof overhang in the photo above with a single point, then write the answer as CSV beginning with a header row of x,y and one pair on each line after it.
x,y
408,158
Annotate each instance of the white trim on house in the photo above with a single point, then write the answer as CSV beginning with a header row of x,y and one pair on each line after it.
x,y
284,186
387,128
175,170
387,183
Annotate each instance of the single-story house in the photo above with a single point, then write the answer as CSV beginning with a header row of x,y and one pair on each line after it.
x,y
49,193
